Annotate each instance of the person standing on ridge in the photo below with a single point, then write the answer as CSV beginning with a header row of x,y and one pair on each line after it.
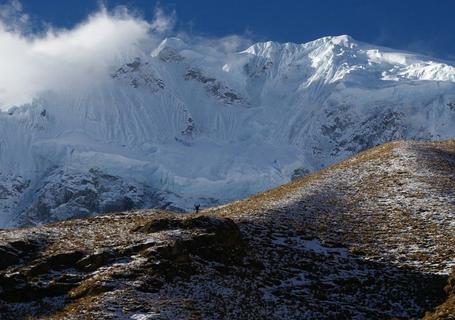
x,y
196,207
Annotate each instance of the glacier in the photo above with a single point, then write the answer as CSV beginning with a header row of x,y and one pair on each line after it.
x,y
183,123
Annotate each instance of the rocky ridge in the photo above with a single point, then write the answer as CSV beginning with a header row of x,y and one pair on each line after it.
x,y
370,237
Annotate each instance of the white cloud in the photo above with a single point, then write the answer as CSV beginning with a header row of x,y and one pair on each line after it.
x,y
162,22
13,17
60,59
30,64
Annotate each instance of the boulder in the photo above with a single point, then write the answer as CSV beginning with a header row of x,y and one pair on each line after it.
x,y
214,239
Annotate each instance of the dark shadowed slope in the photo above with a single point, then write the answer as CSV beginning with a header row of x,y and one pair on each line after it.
x,y
369,238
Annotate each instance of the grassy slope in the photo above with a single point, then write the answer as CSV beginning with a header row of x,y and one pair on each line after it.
x,y
393,204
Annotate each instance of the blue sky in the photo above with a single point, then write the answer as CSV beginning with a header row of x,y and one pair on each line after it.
x,y
416,25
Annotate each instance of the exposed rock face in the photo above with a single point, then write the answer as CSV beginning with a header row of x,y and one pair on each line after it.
x,y
7,257
214,87
447,309
71,275
134,75
69,194
220,239
19,250
369,238
12,189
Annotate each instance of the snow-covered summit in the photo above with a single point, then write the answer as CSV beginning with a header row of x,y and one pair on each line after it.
x,y
269,48
334,58
187,123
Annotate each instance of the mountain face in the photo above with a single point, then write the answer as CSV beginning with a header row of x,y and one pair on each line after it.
x,y
184,124
369,238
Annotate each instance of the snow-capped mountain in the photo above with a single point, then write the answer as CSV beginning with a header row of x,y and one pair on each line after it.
x,y
185,124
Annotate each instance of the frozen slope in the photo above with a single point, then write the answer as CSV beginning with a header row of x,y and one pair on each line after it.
x,y
187,124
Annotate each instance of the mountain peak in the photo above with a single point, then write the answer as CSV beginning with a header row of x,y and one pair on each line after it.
x,y
344,40
169,46
186,124
271,47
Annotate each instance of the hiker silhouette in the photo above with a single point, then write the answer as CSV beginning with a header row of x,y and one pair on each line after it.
x,y
196,207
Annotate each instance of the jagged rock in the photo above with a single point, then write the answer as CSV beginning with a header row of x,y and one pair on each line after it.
x,y
55,262
220,239
90,288
25,246
20,249
157,225
446,310
22,288
95,261
67,194
8,257
137,75
214,87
